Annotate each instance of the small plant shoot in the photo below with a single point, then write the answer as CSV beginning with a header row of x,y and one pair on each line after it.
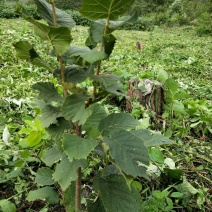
x,y
66,116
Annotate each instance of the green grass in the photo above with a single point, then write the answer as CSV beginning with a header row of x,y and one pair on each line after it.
x,y
179,51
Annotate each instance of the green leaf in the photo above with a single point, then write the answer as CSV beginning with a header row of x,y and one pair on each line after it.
x,y
49,115
92,123
82,115
96,30
156,155
117,121
18,163
73,74
47,193
109,82
137,185
74,53
24,154
93,133
35,124
59,37
181,94
47,92
78,148
95,205
14,174
52,155
109,43
129,152
174,174
178,107
94,55
168,133
186,188
169,203
56,130
70,55
23,143
117,24
7,206
112,170
176,195
101,9
25,51
44,177
152,139
33,138
25,131
158,194
113,193
74,108
65,171
96,33
172,85
162,75
44,9
69,198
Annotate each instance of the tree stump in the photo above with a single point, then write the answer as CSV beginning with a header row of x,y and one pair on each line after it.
x,y
151,98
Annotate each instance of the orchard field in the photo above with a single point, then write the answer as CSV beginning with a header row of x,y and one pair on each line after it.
x,y
174,58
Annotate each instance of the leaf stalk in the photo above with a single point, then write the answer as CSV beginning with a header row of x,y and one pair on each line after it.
x,y
99,63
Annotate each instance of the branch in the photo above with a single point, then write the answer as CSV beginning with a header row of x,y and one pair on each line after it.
x,y
62,68
78,132
97,73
